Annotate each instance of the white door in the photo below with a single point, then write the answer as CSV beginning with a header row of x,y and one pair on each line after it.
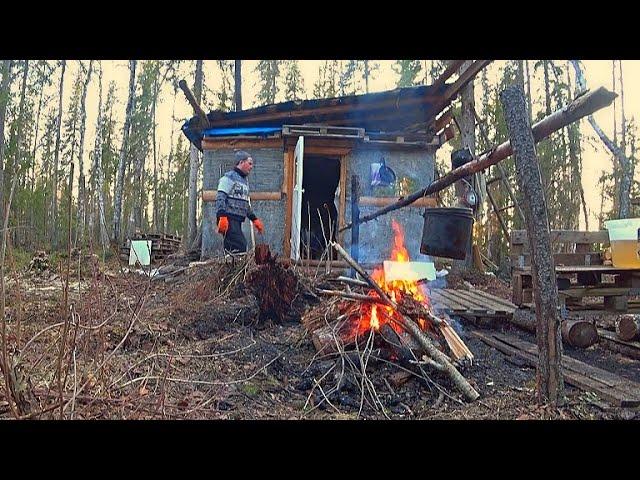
x,y
296,213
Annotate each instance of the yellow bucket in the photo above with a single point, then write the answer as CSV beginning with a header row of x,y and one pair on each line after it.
x,y
623,237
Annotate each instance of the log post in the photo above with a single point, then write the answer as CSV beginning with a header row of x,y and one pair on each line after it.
x,y
355,219
549,371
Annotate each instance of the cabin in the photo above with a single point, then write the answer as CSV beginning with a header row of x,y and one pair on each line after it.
x,y
309,155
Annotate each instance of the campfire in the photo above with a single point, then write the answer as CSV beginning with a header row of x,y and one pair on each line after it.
x,y
390,310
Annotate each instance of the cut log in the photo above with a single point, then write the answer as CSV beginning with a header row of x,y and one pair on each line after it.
x,y
579,333
575,332
628,327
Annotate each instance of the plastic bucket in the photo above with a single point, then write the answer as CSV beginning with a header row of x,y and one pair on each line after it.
x,y
623,237
446,232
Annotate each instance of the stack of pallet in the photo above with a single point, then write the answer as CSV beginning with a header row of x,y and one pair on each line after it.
x,y
162,245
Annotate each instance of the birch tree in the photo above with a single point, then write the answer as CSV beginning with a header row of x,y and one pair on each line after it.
x,y
119,186
97,186
626,165
193,165
237,88
53,233
81,212
4,101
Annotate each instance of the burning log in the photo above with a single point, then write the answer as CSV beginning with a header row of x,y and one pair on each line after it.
x,y
338,336
628,327
412,328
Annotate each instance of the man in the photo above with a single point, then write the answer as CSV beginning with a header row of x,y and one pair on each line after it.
x,y
232,204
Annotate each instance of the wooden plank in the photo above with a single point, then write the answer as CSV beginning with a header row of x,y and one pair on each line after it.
x,y
496,303
565,236
605,377
584,268
471,304
288,178
624,393
210,196
342,207
560,259
209,143
429,202
444,302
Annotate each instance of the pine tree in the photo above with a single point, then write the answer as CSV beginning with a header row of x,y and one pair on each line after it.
x,y
269,72
294,83
408,71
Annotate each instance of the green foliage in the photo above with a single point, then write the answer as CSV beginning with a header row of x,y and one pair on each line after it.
x,y
408,71
269,72
293,81
326,84
226,93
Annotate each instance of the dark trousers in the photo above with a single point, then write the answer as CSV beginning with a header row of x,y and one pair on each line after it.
x,y
234,240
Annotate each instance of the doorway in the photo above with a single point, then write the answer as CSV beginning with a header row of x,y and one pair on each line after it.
x,y
319,219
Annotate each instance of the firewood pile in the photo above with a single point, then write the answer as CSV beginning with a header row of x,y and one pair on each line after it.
x,y
394,318
162,245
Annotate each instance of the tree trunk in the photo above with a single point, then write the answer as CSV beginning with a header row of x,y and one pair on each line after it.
x,y
526,70
468,132
53,232
165,222
613,89
4,101
549,372
119,186
237,91
81,213
193,166
98,187
547,92
32,216
625,164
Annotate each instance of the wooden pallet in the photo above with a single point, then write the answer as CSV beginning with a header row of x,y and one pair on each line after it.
x,y
613,388
469,303
579,270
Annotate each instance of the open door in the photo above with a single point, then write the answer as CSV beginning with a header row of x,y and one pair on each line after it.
x,y
296,211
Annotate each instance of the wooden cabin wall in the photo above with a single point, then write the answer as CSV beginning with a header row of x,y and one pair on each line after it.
x,y
266,176
376,236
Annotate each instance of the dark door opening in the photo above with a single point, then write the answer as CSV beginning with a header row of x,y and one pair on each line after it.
x,y
320,179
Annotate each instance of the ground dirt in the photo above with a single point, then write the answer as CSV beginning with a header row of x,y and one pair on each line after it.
x,y
195,345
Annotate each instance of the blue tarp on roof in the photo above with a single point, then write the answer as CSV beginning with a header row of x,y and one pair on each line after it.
x,y
222,132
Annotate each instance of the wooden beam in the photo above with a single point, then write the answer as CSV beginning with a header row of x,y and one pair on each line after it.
x,y
452,67
582,106
210,196
428,202
204,121
209,143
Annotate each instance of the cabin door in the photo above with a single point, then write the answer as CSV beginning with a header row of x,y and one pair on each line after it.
x,y
296,213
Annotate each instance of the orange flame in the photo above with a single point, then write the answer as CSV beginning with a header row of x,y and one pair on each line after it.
x,y
377,315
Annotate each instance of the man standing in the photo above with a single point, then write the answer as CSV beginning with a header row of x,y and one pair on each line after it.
x,y
232,204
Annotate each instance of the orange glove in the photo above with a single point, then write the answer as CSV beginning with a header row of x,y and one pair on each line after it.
x,y
258,224
223,225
